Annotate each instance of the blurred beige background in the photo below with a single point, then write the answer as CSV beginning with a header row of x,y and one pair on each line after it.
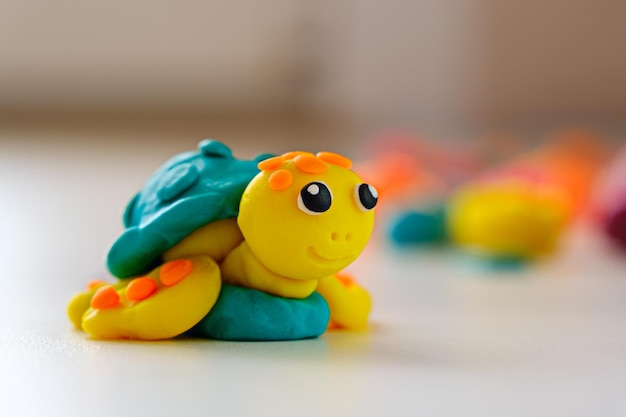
x,y
94,96
435,65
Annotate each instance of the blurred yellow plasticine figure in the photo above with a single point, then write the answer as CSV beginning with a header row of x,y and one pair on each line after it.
x,y
508,219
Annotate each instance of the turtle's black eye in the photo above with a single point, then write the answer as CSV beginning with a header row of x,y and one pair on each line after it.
x,y
366,196
315,198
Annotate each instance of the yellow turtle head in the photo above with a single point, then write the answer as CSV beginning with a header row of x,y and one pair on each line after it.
x,y
307,216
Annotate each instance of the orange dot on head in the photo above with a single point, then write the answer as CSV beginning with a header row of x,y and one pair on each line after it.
x,y
271,164
280,180
292,155
310,164
105,297
175,271
335,159
95,283
140,289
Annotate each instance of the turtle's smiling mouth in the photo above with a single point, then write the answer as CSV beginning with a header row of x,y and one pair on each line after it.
x,y
325,260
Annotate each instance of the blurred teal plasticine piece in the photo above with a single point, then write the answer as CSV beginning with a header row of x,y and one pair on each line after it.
x,y
419,227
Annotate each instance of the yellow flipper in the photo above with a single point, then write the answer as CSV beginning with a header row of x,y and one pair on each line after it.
x,y
349,303
163,304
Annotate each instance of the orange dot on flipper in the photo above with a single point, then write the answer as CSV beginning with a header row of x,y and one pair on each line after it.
x,y
280,180
335,159
309,164
271,164
346,279
175,271
95,283
140,289
332,325
105,297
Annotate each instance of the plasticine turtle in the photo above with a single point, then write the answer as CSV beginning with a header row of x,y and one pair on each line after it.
x,y
233,249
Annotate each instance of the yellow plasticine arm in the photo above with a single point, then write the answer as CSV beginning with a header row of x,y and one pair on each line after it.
x,y
242,268
215,240
350,304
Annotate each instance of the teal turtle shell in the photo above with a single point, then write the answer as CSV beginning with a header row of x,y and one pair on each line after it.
x,y
189,191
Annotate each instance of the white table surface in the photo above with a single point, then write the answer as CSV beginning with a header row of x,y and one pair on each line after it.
x,y
448,336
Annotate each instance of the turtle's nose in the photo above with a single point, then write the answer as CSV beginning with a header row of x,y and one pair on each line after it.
x,y
341,237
